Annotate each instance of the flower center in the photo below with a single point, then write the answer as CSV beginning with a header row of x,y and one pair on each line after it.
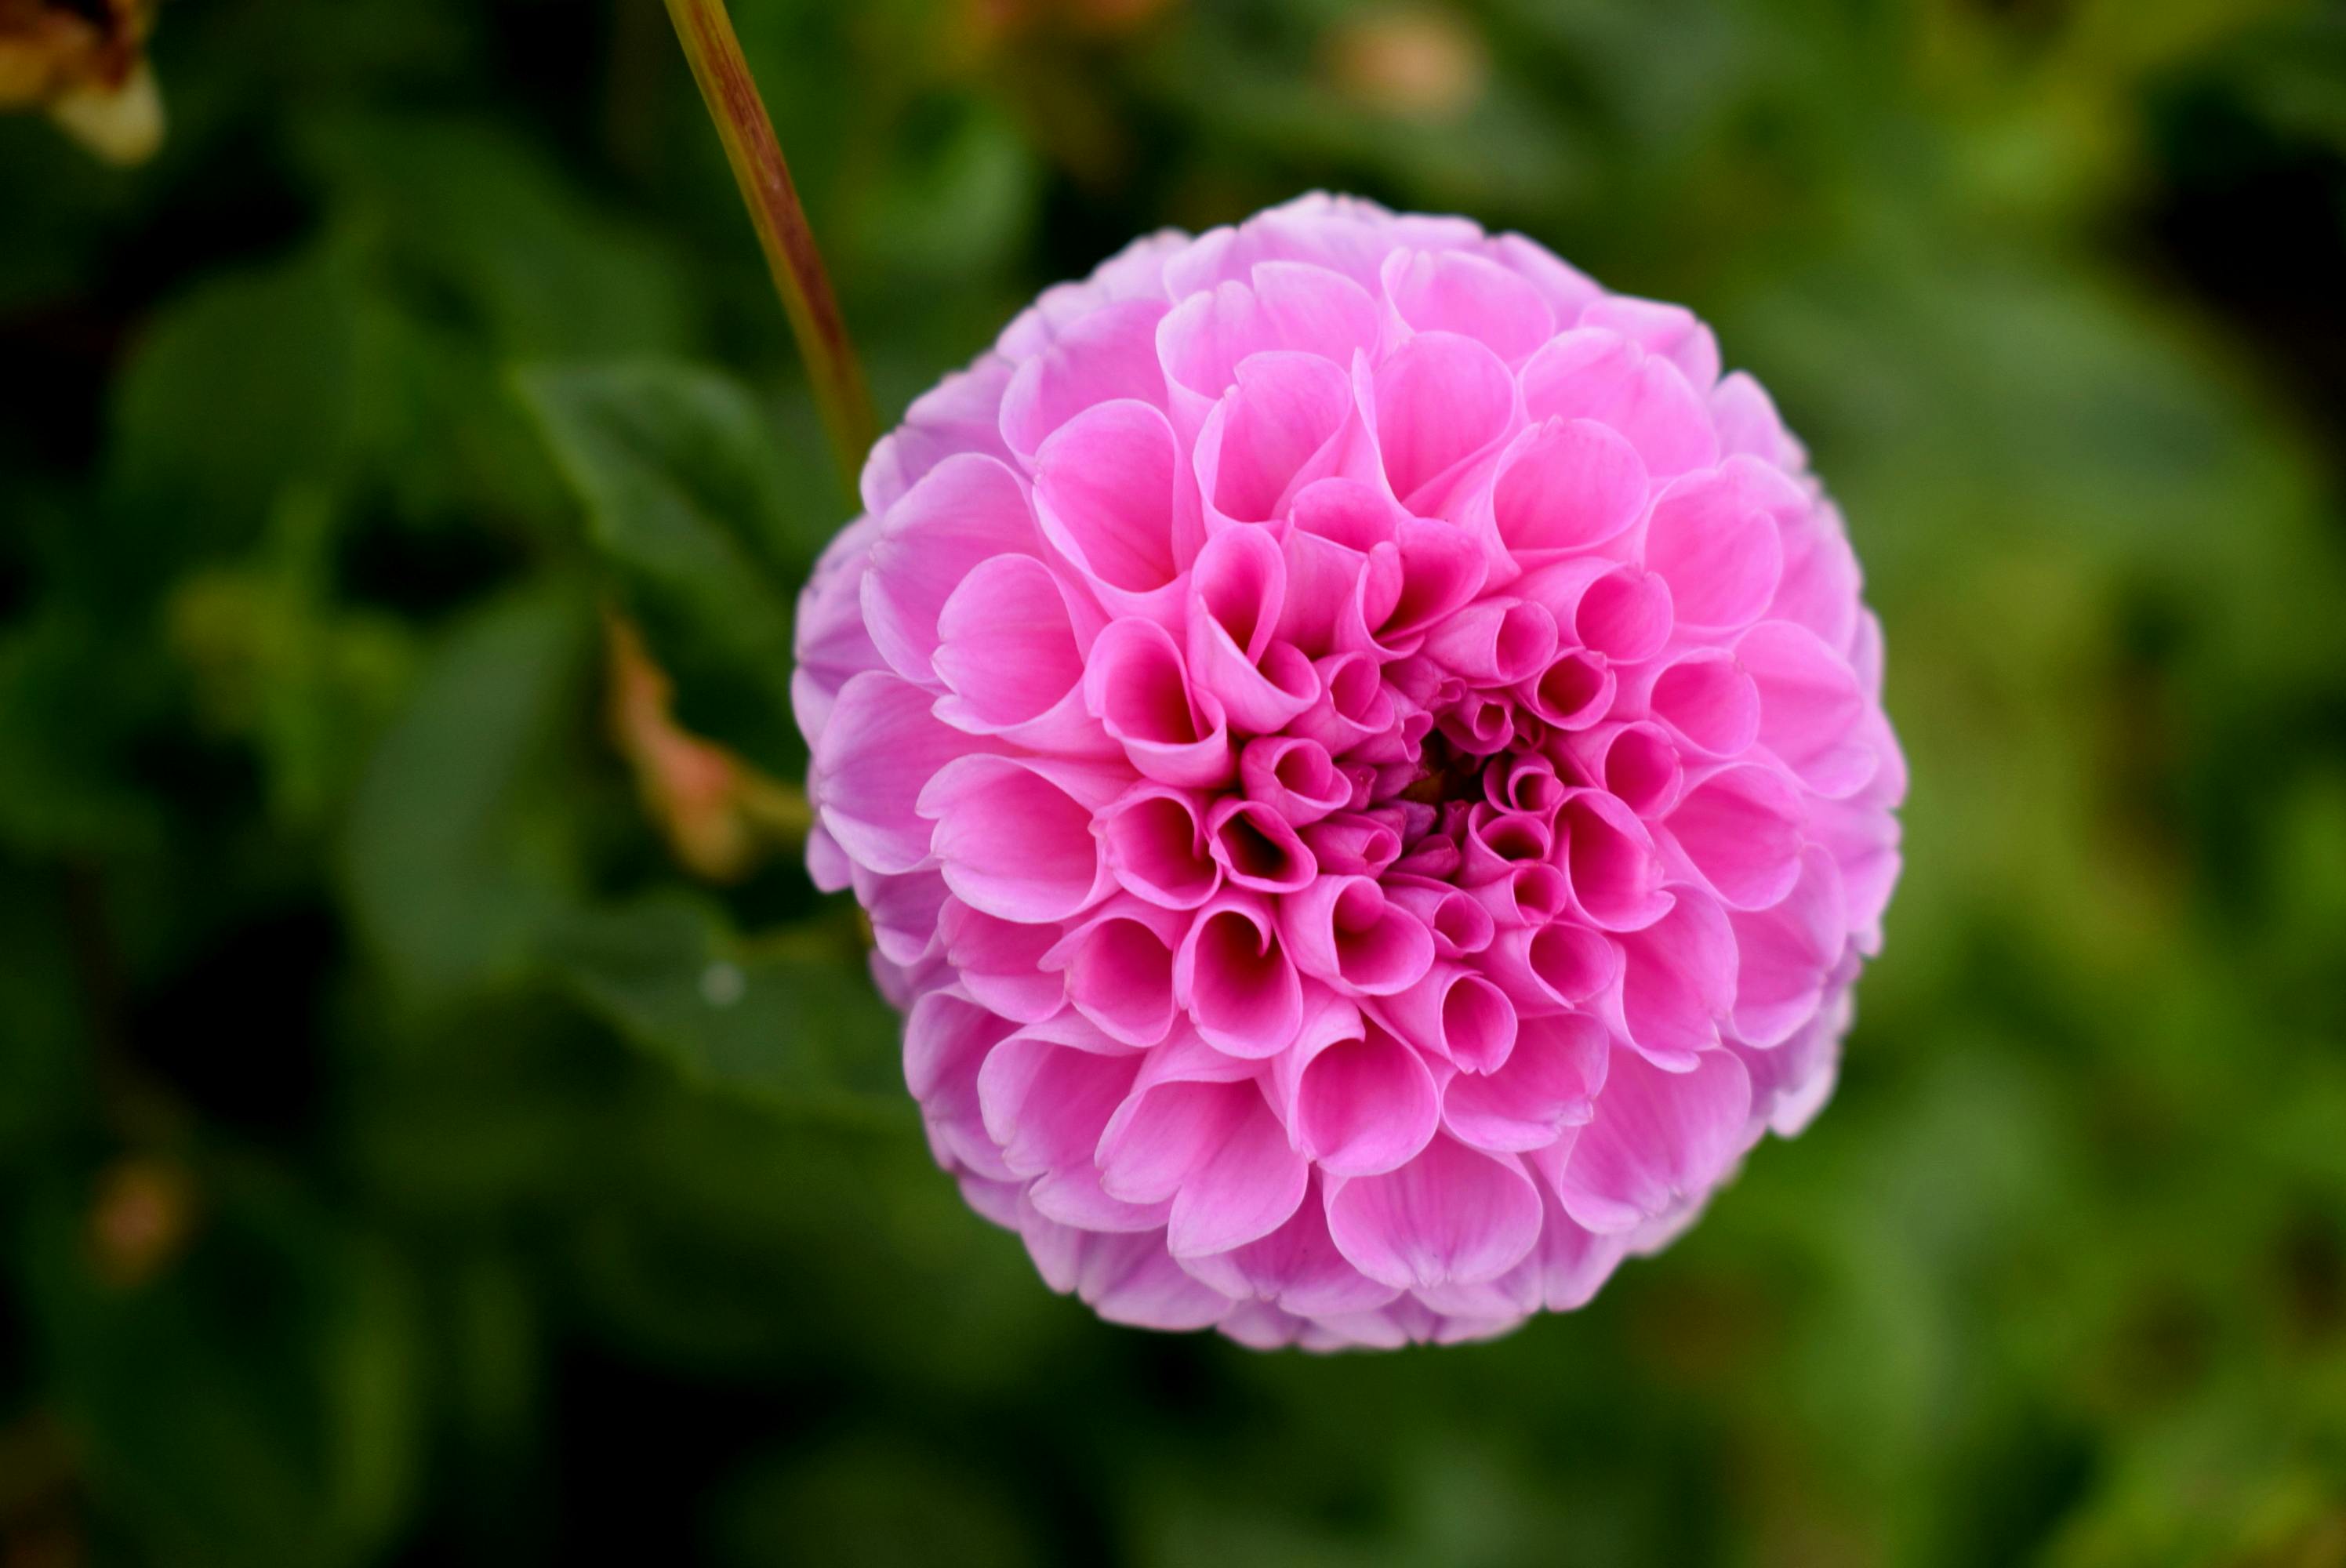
x,y
1449,773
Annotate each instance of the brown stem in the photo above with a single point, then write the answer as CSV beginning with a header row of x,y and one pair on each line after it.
x,y
723,76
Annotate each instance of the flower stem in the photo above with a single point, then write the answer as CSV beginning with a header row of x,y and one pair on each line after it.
x,y
726,86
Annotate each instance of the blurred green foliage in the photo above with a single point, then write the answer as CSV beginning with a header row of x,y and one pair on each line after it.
x,y
403,1159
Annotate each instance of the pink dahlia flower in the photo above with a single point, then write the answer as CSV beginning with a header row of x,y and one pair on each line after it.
x,y
1363,756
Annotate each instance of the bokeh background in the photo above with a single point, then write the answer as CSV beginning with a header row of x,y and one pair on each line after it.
x,y
438,1122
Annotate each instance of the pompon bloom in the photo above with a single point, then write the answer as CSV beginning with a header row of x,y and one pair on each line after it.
x,y
1364,754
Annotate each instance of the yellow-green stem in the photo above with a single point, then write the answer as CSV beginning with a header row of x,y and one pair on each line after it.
x,y
726,85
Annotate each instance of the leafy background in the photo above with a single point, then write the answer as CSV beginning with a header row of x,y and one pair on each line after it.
x,y
433,1127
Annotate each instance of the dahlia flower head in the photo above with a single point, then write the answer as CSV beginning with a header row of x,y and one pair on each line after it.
x,y
1363,753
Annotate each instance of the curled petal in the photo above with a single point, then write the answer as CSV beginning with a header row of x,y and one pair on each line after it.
x,y
1138,688
1010,655
1344,930
1294,776
1439,402
1153,841
1495,643
1119,967
1236,589
1678,982
1608,858
1114,498
1454,1013
1281,427
966,510
1240,987
1355,1099
1550,1082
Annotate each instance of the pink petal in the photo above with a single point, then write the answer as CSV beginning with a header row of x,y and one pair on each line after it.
x,y
1107,356
1747,422
1575,691
1126,1278
1236,586
1454,1013
1280,428
1342,929
1671,331
1137,686
1785,955
1453,1215
1567,486
1013,834
1635,762
1439,401
1546,969
1114,499
961,414
1812,708
1294,776
1010,654
1230,973
1349,843
1460,926
1549,1083
1713,537
1119,967
1458,291
1708,701
1657,1141
1610,858
1573,1262
1566,289
1281,305
1497,642
1627,615
1677,982
1596,373
1358,1101
1154,842
1208,1142
963,511
1296,1266
999,961
1741,829
1257,848
947,1039
880,748
1045,1104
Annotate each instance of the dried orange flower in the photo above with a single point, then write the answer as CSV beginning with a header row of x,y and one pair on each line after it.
x,y
85,62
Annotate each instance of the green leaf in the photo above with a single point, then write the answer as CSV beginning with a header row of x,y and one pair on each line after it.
x,y
788,1017
257,1403
444,864
502,233
686,500
244,383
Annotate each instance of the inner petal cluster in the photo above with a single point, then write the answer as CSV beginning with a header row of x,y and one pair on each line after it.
x,y
1363,756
